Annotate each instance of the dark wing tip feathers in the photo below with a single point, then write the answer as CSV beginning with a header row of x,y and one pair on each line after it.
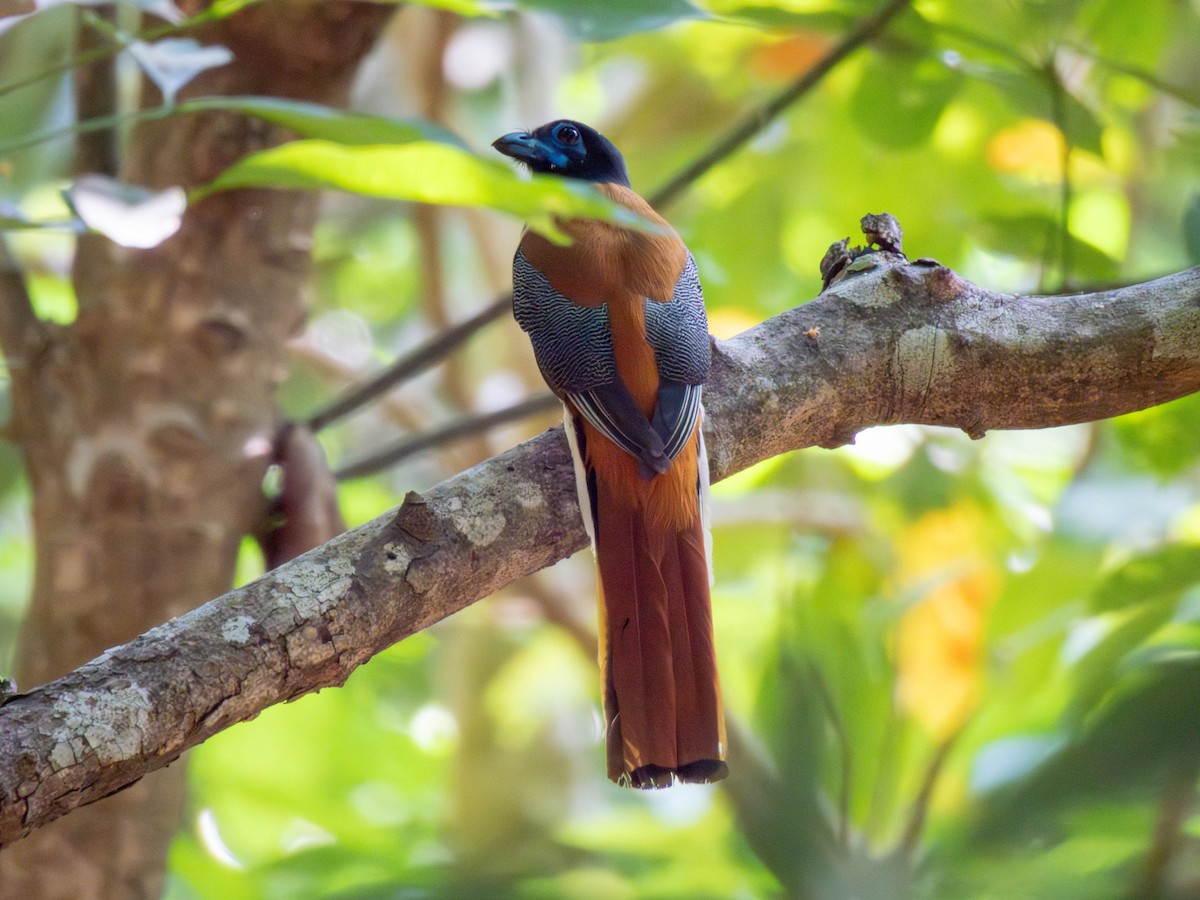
x,y
702,771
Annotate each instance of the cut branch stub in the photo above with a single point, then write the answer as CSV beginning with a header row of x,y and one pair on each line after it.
x,y
883,235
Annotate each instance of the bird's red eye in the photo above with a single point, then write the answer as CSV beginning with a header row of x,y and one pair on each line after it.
x,y
567,134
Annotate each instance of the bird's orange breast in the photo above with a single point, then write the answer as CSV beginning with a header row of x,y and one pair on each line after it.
x,y
605,262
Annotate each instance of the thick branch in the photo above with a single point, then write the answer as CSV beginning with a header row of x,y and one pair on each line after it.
x,y
890,342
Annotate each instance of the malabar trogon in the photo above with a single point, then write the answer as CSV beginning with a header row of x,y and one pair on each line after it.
x,y
618,327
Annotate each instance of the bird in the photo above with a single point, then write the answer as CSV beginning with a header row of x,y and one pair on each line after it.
x,y
619,331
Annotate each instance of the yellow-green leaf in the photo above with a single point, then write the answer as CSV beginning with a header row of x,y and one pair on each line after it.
x,y
423,172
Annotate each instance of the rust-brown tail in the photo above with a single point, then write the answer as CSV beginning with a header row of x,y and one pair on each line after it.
x,y
662,699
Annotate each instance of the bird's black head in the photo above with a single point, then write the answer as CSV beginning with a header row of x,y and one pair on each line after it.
x,y
563,147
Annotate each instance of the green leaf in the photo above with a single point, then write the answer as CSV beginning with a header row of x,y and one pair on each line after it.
x,y
473,8
1098,670
1032,93
1161,439
899,101
603,20
1139,742
306,119
794,834
311,120
1026,236
221,9
1134,33
1155,576
783,17
422,172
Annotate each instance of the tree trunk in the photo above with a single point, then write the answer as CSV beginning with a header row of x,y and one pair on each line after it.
x,y
147,424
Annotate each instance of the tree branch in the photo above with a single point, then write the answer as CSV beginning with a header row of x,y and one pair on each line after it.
x,y
470,425
889,342
420,359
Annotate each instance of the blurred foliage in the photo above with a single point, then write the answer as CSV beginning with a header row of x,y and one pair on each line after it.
x,y
954,668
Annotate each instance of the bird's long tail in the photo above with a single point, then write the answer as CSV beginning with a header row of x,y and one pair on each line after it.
x,y
662,697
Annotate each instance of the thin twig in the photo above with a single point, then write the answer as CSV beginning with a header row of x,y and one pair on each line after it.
x,y
98,124
1148,78
991,45
467,426
417,361
60,68
760,118
395,409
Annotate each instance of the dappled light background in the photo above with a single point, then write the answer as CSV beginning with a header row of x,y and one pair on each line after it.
x,y
935,651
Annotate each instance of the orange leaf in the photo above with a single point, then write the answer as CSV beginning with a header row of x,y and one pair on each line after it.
x,y
939,643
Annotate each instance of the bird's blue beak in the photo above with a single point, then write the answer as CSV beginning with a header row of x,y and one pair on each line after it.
x,y
524,147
